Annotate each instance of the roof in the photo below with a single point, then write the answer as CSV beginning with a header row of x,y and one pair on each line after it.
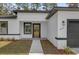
x,y
23,11
31,11
50,13
8,16
55,9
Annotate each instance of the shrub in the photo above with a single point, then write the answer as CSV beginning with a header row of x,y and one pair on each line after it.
x,y
67,50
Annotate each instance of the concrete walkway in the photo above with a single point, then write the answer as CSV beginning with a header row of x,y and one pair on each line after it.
x,y
36,47
75,50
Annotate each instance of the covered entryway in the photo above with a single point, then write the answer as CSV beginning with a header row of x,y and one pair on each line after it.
x,y
73,33
33,29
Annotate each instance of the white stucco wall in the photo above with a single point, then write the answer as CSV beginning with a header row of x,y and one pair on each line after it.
x,y
61,44
13,28
10,37
32,16
63,16
52,29
44,29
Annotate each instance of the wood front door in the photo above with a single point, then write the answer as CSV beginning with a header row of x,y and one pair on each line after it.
x,y
36,30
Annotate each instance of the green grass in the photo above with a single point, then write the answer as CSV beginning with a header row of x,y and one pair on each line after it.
x,y
17,47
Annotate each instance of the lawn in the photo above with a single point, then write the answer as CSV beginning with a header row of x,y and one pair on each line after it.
x,y
15,47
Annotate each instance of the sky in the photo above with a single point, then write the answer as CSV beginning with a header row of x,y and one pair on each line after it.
x,y
36,1
62,5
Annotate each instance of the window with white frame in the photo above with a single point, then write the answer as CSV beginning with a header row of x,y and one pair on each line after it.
x,y
3,27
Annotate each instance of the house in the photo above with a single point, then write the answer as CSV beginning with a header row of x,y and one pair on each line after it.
x,y
60,26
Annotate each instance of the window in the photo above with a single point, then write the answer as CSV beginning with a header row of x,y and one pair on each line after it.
x,y
3,27
27,28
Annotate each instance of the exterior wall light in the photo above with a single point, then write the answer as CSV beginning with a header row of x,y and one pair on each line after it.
x,y
63,23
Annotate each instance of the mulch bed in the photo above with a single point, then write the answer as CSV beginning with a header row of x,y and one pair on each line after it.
x,y
17,47
49,48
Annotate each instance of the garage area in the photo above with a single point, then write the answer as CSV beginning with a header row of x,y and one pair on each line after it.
x,y
73,33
